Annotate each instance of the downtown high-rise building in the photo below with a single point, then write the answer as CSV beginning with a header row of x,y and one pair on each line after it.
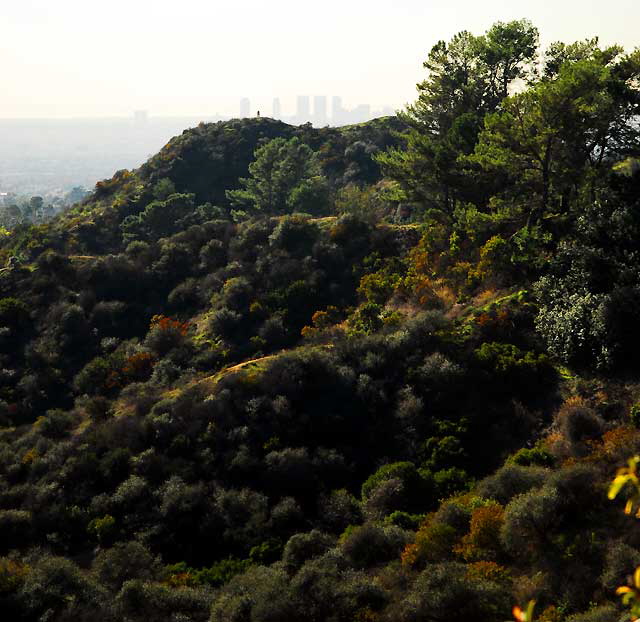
x,y
325,111
303,111
338,113
245,108
320,110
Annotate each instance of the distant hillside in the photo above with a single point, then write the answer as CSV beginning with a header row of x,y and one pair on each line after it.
x,y
208,160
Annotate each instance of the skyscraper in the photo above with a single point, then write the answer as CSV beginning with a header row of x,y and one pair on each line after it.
x,y
303,112
277,113
320,110
337,111
245,108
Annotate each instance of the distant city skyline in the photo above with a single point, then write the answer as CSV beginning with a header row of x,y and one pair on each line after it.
x,y
317,109
73,59
318,115
49,157
320,110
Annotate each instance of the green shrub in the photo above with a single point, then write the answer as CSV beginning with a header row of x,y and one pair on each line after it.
x,y
103,529
216,575
140,601
446,592
403,471
620,559
55,424
528,521
511,480
534,456
404,520
55,587
260,595
305,546
266,552
370,544
123,562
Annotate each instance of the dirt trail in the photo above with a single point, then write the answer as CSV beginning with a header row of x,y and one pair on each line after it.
x,y
213,379
219,375
234,368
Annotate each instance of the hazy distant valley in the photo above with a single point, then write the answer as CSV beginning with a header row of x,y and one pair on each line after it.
x,y
50,157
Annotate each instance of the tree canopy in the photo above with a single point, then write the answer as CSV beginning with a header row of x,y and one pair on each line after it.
x,y
468,78
284,177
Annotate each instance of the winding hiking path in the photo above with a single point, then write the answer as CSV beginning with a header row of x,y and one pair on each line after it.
x,y
215,378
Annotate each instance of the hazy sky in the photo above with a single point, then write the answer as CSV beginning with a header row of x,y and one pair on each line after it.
x,y
61,58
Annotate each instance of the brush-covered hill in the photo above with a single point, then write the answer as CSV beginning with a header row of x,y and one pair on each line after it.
x,y
150,242
205,162
381,373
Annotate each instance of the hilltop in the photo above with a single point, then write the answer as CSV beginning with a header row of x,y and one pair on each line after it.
x,y
206,161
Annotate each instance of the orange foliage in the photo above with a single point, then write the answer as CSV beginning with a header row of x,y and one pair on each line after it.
x,y
493,320
321,320
575,401
616,444
12,574
409,556
426,257
162,322
483,540
308,331
434,541
554,443
420,260
138,366
424,292
446,294
485,297
30,456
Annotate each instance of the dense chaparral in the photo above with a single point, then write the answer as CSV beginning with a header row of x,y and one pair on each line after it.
x,y
378,373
